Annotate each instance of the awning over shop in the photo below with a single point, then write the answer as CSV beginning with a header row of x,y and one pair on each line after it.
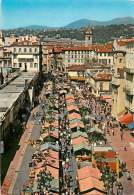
x,y
76,78
131,125
105,97
126,119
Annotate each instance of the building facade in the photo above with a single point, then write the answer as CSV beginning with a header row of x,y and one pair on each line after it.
x,y
100,84
78,56
27,56
129,77
118,84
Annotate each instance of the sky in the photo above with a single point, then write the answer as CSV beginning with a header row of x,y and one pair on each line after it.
x,y
58,13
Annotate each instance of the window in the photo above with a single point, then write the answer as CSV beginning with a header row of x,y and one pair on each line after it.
x,y
35,50
31,65
14,49
120,60
25,50
20,65
19,49
35,65
30,50
15,56
109,61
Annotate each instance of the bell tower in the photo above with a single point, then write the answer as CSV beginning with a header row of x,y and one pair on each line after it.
x,y
88,36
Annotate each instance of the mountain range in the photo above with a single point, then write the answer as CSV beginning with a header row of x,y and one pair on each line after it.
x,y
86,22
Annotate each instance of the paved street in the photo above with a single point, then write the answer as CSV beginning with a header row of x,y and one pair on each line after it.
x,y
126,156
24,169
119,145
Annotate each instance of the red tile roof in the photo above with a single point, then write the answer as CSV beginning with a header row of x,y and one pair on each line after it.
x,y
83,48
52,162
74,116
88,171
107,48
53,154
53,171
90,183
72,107
124,42
79,140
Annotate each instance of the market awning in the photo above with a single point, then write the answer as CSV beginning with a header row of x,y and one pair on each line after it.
x,y
105,97
126,119
131,125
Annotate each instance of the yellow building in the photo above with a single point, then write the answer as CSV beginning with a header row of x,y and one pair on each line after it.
x,y
118,84
100,84
77,73
129,70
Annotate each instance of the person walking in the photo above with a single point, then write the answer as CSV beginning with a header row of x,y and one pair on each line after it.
x,y
112,132
121,135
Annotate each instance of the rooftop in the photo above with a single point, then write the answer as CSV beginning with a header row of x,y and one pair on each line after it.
x,y
10,93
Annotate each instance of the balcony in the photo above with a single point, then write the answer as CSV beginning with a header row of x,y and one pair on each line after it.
x,y
116,80
129,89
129,69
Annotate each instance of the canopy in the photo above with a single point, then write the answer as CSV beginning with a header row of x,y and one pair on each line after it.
x,y
126,119
131,125
105,97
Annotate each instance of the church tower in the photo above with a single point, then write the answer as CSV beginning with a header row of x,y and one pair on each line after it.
x,y
88,36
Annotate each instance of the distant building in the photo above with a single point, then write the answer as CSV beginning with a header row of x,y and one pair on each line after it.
x,y
27,56
100,83
6,57
104,53
118,84
88,37
46,58
78,55
129,77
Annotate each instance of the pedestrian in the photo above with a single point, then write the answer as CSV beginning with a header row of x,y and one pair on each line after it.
x,y
112,132
121,135
125,148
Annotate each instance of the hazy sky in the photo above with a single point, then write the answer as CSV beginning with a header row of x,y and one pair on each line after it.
x,y
18,13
